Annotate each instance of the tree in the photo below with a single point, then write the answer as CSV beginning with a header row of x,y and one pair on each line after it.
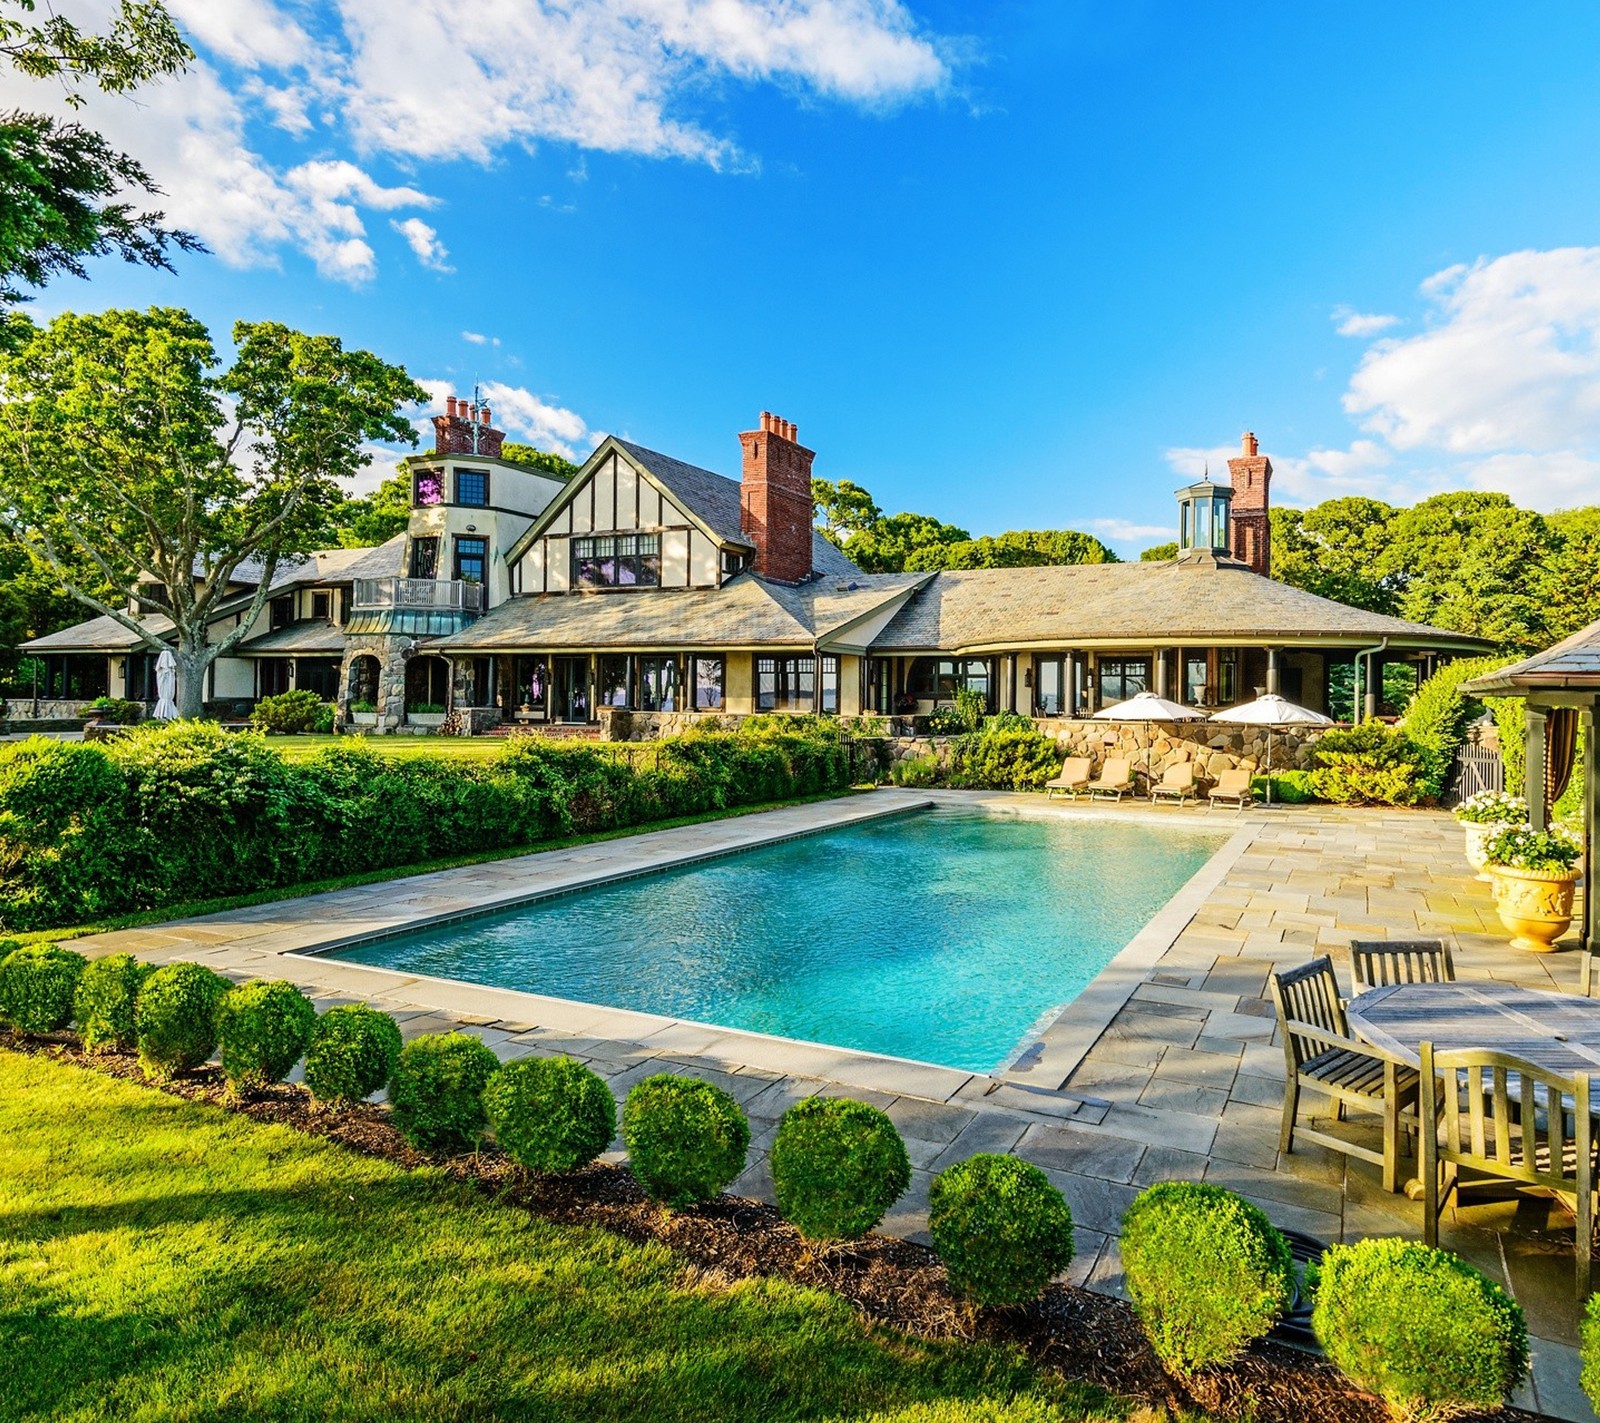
x,y
57,180
1569,582
376,518
120,461
1336,550
843,509
885,546
1160,553
1018,548
535,458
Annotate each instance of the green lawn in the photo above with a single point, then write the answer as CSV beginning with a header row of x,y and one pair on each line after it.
x,y
165,1260
454,748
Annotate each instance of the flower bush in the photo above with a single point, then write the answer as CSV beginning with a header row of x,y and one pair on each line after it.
x,y
108,991
175,1018
686,1139
837,1167
37,985
437,1091
263,1029
1551,852
1420,1328
353,1052
1002,1230
1492,808
550,1114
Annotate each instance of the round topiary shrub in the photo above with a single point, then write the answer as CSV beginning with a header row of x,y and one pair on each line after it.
x,y
1589,1340
262,1030
1420,1328
1002,1230
837,1167
37,984
550,1114
175,1018
108,989
437,1091
353,1053
686,1139
1207,1272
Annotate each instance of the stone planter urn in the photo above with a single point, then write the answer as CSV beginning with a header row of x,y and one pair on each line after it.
x,y
1535,905
1477,842
363,718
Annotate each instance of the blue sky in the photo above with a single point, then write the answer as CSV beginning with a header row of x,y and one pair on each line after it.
x,y
1016,265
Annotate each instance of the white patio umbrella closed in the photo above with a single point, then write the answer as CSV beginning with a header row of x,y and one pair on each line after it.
x,y
1270,711
166,686
1148,707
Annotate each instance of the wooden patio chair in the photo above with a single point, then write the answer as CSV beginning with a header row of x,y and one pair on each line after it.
x,y
1232,788
1320,1055
1586,981
1377,963
1176,783
1116,779
1477,1100
1073,780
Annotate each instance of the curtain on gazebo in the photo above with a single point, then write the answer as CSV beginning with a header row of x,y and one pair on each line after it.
x,y
1560,751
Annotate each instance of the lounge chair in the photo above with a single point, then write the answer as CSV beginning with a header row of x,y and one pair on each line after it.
x,y
1073,780
1176,783
1116,780
1232,788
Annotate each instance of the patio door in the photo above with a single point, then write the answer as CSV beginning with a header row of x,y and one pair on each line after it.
x,y
569,689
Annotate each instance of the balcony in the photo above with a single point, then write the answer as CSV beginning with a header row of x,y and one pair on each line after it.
x,y
424,595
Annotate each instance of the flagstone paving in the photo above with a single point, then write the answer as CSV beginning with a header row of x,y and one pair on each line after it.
x,y
1168,1067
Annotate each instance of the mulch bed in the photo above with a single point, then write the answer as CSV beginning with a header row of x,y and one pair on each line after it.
x,y
1084,1336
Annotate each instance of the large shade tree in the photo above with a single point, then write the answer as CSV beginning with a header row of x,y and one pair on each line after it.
x,y
132,459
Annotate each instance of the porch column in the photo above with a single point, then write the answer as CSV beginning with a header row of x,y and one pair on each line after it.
x,y
1272,670
1069,684
1161,672
1533,785
1373,686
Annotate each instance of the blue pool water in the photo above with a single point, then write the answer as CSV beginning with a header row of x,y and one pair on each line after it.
x,y
941,935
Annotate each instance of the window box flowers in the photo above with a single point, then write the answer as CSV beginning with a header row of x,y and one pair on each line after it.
x,y
1483,815
1534,874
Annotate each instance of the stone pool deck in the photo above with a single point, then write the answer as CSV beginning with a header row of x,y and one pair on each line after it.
x,y
1166,1068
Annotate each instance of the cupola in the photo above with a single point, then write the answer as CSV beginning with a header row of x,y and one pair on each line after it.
x,y
1203,518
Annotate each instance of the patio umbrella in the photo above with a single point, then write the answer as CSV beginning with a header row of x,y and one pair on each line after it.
x,y
166,686
1148,707
1270,711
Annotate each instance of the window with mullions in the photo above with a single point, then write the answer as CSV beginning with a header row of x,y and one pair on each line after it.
x,y
425,557
785,683
939,678
281,612
617,561
613,688
472,558
658,684
472,488
828,701
1049,690
1121,678
708,675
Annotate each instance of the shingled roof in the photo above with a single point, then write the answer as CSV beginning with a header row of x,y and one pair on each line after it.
x,y
1572,664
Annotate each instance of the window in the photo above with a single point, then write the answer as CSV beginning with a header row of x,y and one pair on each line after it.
x,y
425,558
472,558
321,605
1121,678
427,488
1196,679
613,689
319,675
472,488
785,683
1227,676
476,684
617,561
530,679
281,612
708,674
274,678
829,700
658,684
939,678
1049,687
732,563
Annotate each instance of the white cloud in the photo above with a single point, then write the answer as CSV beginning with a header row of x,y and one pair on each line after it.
x,y
477,338
1194,462
524,416
1126,531
424,242
1350,322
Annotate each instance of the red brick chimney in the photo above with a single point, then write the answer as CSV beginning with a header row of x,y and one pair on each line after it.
x,y
1252,528
464,429
775,499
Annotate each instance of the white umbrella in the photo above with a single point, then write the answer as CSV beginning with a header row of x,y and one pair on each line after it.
x,y
1148,707
1270,711
166,686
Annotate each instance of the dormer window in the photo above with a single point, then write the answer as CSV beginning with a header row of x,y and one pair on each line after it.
x,y
472,488
617,561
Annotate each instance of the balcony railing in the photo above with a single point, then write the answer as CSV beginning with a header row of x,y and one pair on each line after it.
x,y
425,594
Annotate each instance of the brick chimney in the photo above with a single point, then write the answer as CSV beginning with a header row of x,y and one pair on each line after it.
x,y
776,511
1252,528
464,429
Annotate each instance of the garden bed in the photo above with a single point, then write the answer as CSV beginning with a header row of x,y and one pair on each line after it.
x,y
1083,1336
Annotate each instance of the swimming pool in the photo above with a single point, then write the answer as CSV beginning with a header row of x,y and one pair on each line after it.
x,y
941,935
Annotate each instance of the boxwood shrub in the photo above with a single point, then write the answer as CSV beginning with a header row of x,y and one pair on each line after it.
x,y
175,1018
437,1091
1002,1230
837,1167
686,1139
262,1031
37,984
550,1114
1207,1271
290,712
1420,1328
353,1052
104,1004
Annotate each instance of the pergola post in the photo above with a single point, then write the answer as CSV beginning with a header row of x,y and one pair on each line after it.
x,y
1533,781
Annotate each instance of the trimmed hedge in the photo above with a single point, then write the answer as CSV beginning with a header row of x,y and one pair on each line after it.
x,y
353,1052
1207,1271
108,991
1420,1328
37,986
550,1114
1002,1230
167,814
686,1139
262,1030
175,1018
1437,716
437,1091
837,1167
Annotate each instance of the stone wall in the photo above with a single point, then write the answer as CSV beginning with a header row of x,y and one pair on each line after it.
x,y
29,709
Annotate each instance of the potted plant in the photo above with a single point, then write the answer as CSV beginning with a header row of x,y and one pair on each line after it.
x,y
1534,874
1484,815
363,713
430,714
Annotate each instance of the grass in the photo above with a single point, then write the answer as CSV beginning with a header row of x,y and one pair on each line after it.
x,y
169,912
166,1260
401,748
